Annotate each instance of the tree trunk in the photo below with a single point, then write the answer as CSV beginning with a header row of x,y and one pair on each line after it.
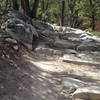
x,y
43,6
92,15
93,22
62,12
15,4
26,7
34,9
72,17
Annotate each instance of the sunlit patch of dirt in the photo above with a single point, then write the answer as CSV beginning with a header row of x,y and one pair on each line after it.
x,y
26,75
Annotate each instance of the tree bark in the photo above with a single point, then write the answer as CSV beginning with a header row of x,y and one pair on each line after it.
x,y
72,18
26,7
43,6
15,4
34,9
92,15
62,12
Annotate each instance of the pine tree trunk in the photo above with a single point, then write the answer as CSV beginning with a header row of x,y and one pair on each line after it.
x,y
34,9
93,15
15,4
43,6
62,12
26,7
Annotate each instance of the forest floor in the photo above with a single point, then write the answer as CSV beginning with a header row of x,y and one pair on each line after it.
x,y
25,75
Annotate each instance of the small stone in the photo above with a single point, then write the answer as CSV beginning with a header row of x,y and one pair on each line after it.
x,y
7,56
70,51
3,56
16,47
57,52
1,87
11,40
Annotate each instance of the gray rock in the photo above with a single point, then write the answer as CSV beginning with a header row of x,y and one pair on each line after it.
x,y
48,51
83,59
3,33
87,93
18,26
11,40
70,51
89,46
58,52
64,44
42,50
72,83
16,47
40,25
19,15
20,30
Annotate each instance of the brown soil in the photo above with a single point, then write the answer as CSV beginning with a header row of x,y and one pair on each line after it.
x,y
98,26
25,75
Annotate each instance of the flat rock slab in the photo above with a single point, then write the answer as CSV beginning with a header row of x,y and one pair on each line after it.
x,y
48,51
64,44
87,93
78,60
89,46
72,83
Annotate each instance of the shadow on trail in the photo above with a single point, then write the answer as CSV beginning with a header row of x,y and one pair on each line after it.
x,y
21,80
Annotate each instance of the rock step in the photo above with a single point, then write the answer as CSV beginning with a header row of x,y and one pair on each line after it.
x,y
87,93
72,83
78,60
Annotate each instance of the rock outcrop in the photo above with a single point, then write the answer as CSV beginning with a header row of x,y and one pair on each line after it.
x,y
29,32
19,27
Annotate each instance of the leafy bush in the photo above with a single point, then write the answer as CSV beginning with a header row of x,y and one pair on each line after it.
x,y
93,32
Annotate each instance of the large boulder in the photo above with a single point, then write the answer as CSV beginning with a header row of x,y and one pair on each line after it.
x,y
19,15
20,30
64,44
69,82
89,46
87,93
40,25
19,27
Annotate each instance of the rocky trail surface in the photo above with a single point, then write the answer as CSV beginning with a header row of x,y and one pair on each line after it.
x,y
64,60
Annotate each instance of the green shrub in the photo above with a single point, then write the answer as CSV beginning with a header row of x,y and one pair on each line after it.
x,y
93,32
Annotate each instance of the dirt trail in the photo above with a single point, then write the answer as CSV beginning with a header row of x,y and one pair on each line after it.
x,y
22,80
37,77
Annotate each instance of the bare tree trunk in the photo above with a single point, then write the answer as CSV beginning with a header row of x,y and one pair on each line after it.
x,y
34,9
93,15
26,7
43,6
93,22
47,4
15,4
62,12
72,17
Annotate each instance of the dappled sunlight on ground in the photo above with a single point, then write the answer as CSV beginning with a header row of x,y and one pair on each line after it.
x,y
59,66
27,82
31,76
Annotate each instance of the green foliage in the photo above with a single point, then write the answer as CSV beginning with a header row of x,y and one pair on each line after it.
x,y
93,32
49,10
